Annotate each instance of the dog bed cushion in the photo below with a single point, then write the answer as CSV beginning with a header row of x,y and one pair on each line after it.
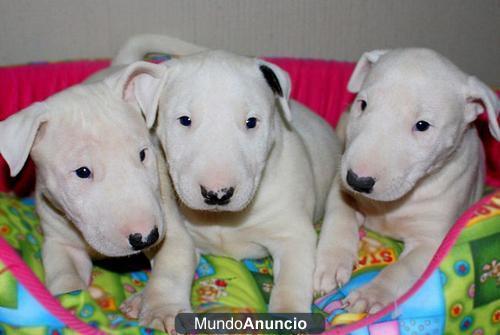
x,y
458,293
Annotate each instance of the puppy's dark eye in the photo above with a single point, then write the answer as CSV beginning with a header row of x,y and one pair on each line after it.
x,y
185,121
363,104
83,172
422,125
251,123
142,155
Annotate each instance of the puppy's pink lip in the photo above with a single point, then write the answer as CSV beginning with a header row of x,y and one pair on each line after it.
x,y
125,252
219,209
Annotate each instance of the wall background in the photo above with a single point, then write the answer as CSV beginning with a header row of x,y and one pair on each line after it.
x,y
466,31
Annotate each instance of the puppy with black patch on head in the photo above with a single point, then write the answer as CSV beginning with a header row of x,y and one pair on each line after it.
x,y
251,169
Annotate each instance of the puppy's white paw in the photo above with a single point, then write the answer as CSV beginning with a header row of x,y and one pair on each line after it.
x,y
161,316
333,270
65,283
132,306
370,298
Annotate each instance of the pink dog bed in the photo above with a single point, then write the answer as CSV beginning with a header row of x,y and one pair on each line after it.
x,y
321,85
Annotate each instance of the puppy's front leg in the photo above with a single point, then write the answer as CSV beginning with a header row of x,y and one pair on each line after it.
x,y
293,266
66,268
338,243
394,280
66,262
168,291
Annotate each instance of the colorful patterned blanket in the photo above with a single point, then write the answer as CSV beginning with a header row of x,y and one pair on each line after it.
x,y
459,292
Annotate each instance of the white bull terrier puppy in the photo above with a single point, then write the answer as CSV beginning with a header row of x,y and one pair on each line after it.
x,y
413,162
98,186
252,173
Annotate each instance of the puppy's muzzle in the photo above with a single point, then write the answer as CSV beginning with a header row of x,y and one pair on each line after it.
x,y
139,243
221,197
360,184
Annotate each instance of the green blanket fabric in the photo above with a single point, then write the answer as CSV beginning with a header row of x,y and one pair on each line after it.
x,y
469,279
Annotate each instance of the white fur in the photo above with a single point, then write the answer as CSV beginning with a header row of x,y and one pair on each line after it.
x,y
281,172
138,46
424,179
98,126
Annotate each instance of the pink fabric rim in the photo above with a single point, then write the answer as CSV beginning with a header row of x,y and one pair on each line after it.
x,y
27,278
492,182
443,250
21,271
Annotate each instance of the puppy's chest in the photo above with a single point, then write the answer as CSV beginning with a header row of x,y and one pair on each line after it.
x,y
234,242
394,223
391,227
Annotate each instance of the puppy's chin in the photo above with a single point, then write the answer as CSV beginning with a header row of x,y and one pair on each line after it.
x,y
200,205
385,197
115,252
195,201
392,192
110,249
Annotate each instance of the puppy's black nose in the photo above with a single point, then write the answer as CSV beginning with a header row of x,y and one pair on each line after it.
x,y
137,242
360,184
220,197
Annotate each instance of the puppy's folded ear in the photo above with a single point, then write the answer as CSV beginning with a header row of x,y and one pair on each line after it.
x,y
479,97
140,83
363,68
17,135
279,82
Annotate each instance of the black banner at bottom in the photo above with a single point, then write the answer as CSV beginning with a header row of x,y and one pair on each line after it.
x,y
249,323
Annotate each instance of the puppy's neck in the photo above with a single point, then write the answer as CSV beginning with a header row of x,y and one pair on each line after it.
x,y
460,178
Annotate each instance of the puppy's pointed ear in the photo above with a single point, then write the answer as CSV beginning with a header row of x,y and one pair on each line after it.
x,y
141,84
362,68
17,135
479,97
279,82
